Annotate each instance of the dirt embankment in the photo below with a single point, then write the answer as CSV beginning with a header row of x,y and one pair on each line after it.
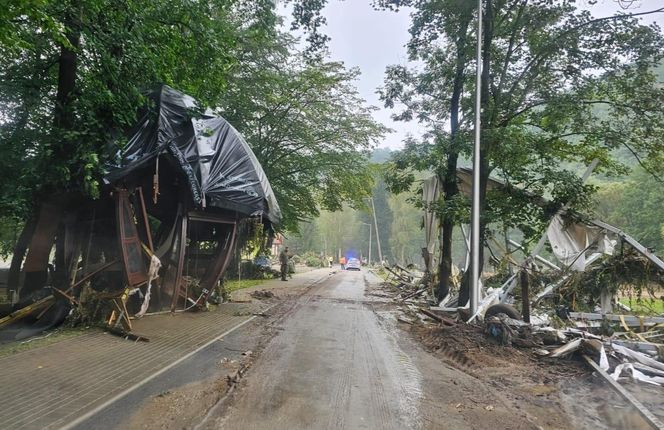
x,y
547,393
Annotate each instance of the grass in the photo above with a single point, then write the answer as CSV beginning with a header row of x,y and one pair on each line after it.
x,y
234,285
48,338
645,306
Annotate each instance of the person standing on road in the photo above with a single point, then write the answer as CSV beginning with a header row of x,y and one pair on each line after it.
x,y
283,260
342,261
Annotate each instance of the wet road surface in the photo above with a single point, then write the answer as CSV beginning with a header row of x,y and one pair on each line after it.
x,y
332,366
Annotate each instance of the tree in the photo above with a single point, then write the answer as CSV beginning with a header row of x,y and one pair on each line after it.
x,y
433,96
406,237
637,206
308,127
547,67
72,75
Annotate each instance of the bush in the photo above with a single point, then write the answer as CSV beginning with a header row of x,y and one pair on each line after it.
x,y
310,259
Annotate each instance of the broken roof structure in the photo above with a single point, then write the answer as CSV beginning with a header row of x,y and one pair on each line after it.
x,y
169,251
575,244
219,167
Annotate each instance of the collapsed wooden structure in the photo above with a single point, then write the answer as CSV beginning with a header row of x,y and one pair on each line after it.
x,y
165,225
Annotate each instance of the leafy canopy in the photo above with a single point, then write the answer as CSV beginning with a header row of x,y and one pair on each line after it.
x,y
301,115
562,88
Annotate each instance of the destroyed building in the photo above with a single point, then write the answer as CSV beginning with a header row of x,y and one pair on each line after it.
x,y
163,229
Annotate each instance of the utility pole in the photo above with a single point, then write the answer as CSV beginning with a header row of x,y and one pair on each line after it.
x,y
475,215
380,252
370,242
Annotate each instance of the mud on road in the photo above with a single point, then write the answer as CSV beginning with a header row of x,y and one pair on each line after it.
x,y
333,357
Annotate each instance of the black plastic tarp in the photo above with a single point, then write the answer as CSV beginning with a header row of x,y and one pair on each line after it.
x,y
221,169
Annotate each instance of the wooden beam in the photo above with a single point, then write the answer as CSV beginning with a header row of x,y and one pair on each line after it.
x,y
525,296
643,411
440,319
629,319
182,247
91,274
25,311
144,215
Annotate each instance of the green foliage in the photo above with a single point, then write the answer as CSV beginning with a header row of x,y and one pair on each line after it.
x,y
10,228
562,88
119,49
231,285
308,128
301,115
645,306
406,236
636,205
629,274
311,259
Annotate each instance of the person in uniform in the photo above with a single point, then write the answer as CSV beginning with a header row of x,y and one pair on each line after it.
x,y
283,260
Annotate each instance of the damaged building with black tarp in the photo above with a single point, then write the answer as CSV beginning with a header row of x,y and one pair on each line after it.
x,y
162,231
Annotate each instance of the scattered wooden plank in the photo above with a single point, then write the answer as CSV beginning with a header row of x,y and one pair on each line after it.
x,y
629,319
643,411
413,294
65,295
25,311
439,318
402,278
91,274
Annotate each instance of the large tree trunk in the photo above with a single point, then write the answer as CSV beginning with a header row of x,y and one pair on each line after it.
x,y
63,116
20,249
449,179
67,69
41,244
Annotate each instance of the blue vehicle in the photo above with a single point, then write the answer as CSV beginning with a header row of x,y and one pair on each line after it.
x,y
262,262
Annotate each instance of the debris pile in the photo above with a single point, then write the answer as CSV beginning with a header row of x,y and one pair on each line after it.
x,y
408,282
616,358
262,294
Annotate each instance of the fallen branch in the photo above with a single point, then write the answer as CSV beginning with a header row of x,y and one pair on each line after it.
x,y
413,294
439,318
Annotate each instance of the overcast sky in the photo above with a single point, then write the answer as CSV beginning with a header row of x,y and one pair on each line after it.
x,y
371,40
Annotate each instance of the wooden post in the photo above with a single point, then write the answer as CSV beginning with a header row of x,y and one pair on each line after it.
x,y
182,246
146,221
525,297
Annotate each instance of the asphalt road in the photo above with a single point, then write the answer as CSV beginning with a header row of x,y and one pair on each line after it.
x,y
331,366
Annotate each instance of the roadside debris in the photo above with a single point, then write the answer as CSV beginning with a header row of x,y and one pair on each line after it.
x,y
262,294
558,304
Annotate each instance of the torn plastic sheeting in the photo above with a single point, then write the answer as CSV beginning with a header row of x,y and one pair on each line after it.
x,y
220,167
648,369
636,375
566,349
593,345
153,273
638,356
570,242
